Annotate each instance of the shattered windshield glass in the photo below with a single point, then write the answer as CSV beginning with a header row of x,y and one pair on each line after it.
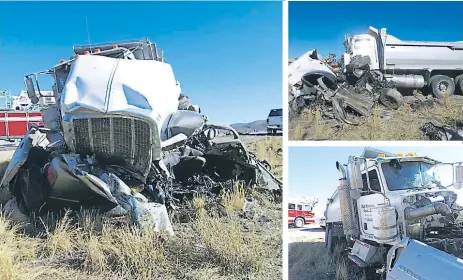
x,y
442,173
407,175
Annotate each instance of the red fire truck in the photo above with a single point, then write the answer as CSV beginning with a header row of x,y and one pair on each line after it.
x,y
300,213
18,114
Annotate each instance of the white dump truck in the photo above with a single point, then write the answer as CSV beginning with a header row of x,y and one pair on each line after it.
x,y
410,64
398,215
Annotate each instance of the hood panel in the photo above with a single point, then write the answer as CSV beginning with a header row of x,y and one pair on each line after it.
x,y
98,85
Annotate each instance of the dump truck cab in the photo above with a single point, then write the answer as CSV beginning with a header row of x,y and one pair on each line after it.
x,y
383,199
362,45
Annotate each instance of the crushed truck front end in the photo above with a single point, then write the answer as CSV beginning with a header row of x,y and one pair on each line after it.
x,y
384,199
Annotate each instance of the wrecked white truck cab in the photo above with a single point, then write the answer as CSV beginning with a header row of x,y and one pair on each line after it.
x,y
119,138
394,213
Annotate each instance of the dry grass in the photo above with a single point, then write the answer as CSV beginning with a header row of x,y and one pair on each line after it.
x,y
269,148
87,245
312,261
234,201
405,124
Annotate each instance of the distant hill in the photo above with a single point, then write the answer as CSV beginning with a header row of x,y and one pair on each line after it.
x,y
255,126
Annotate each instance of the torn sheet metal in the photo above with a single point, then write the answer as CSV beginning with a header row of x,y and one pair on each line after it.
x,y
437,131
308,62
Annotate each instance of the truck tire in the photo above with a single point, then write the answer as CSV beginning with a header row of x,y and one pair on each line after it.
x,y
330,240
391,98
32,190
298,222
442,86
459,82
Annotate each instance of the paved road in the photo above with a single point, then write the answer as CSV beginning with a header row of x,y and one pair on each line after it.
x,y
308,233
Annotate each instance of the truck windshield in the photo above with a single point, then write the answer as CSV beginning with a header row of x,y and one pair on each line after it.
x,y
407,175
362,43
276,113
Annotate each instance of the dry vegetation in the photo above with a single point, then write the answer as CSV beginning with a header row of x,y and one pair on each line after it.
x,y
312,261
87,245
404,125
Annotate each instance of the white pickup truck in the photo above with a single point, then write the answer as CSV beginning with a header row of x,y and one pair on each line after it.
x,y
275,121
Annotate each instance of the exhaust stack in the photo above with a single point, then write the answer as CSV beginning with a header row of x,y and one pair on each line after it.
x,y
347,213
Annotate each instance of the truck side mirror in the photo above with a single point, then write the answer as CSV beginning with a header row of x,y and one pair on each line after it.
x,y
31,90
458,176
355,194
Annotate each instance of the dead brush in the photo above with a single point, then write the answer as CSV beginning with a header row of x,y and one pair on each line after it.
x,y
226,243
233,200
320,130
450,113
298,132
375,128
138,254
60,239
314,262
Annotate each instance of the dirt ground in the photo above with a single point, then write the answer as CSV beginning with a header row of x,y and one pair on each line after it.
x,y
86,245
404,124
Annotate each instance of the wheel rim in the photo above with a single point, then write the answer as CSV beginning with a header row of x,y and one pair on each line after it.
x,y
442,87
299,223
391,101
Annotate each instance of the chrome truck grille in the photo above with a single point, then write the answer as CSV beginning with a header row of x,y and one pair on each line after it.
x,y
116,140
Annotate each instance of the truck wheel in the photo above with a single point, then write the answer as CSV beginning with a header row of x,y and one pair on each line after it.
x,y
298,222
459,82
442,86
30,182
391,98
269,131
330,240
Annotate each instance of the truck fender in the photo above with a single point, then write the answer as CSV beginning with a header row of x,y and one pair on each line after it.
x,y
18,159
394,253
32,138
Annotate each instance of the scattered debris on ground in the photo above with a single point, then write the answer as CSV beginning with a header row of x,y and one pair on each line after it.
x,y
241,240
338,101
377,75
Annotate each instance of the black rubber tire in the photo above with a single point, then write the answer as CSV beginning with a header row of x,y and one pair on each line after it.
x,y
330,240
326,237
269,131
32,188
391,98
298,219
459,82
436,81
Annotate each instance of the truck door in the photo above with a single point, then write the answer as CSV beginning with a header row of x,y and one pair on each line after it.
x,y
308,214
299,211
291,212
369,200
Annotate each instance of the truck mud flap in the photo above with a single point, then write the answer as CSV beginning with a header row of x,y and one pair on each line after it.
x,y
420,261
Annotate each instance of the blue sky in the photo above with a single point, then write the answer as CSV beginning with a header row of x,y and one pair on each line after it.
x,y
312,170
227,56
322,25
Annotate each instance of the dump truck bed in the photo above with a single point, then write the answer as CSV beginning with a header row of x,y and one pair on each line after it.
x,y
400,54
